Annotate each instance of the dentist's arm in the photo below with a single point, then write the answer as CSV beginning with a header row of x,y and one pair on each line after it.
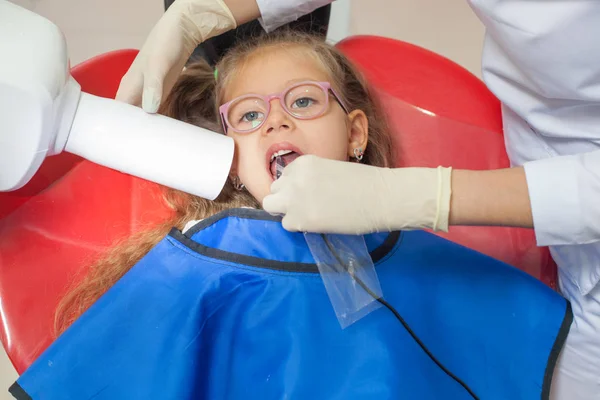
x,y
276,13
328,196
490,198
542,61
185,25
169,45
243,10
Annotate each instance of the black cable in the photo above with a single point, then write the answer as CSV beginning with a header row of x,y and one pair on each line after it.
x,y
403,322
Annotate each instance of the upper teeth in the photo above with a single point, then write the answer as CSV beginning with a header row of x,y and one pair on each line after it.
x,y
280,153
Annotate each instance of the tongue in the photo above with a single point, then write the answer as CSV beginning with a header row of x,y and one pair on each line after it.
x,y
284,160
288,158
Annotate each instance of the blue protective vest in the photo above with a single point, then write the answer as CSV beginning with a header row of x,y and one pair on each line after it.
x,y
236,309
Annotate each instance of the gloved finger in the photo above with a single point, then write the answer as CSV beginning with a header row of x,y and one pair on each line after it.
x,y
130,88
172,75
275,204
279,184
160,75
291,224
292,167
153,89
302,163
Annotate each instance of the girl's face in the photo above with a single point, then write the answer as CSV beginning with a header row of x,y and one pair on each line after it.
x,y
334,134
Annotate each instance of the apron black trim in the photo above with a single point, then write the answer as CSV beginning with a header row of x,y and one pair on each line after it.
x,y
246,213
18,392
185,239
561,337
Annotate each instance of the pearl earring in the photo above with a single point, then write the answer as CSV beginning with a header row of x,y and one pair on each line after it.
x,y
237,183
359,154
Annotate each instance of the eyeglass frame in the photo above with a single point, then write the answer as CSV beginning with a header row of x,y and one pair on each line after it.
x,y
326,86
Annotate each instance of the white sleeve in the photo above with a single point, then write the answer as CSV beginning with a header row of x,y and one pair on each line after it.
x,y
542,60
565,198
276,13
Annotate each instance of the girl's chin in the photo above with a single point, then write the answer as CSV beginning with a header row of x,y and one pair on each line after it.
x,y
260,194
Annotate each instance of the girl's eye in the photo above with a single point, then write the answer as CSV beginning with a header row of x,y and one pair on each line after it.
x,y
303,102
251,116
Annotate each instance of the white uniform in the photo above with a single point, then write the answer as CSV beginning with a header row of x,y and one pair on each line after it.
x,y
542,60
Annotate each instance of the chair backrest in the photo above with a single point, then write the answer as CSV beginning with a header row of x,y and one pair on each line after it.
x,y
55,226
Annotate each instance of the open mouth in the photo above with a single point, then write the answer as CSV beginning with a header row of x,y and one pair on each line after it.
x,y
279,157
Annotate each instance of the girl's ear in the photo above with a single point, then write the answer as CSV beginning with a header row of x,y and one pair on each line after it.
x,y
358,132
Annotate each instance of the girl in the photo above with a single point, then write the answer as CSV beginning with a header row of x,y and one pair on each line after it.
x,y
195,100
234,307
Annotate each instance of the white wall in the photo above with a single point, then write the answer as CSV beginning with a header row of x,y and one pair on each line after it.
x,y
448,27
95,26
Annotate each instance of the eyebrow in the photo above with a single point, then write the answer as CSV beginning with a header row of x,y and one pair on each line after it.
x,y
292,81
287,84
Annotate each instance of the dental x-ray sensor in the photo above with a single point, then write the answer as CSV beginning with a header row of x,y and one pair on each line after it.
x,y
44,112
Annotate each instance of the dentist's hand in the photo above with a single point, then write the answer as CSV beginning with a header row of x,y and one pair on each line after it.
x,y
326,196
186,24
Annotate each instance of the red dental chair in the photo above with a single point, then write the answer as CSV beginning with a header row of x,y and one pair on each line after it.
x,y
73,209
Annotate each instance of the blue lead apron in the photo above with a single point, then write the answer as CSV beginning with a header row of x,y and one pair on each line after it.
x,y
235,309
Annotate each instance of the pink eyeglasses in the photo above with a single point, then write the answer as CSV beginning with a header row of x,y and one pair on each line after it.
x,y
304,100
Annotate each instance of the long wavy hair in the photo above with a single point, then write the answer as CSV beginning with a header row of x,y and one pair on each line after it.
x,y
195,99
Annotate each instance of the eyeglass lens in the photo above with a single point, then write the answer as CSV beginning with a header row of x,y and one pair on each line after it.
x,y
305,101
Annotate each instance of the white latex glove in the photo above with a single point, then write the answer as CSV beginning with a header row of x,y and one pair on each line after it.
x,y
154,71
326,196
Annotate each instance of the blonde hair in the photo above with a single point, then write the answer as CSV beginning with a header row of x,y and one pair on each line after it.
x,y
195,99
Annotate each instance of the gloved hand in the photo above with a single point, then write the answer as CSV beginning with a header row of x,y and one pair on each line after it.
x,y
326,196
186,24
